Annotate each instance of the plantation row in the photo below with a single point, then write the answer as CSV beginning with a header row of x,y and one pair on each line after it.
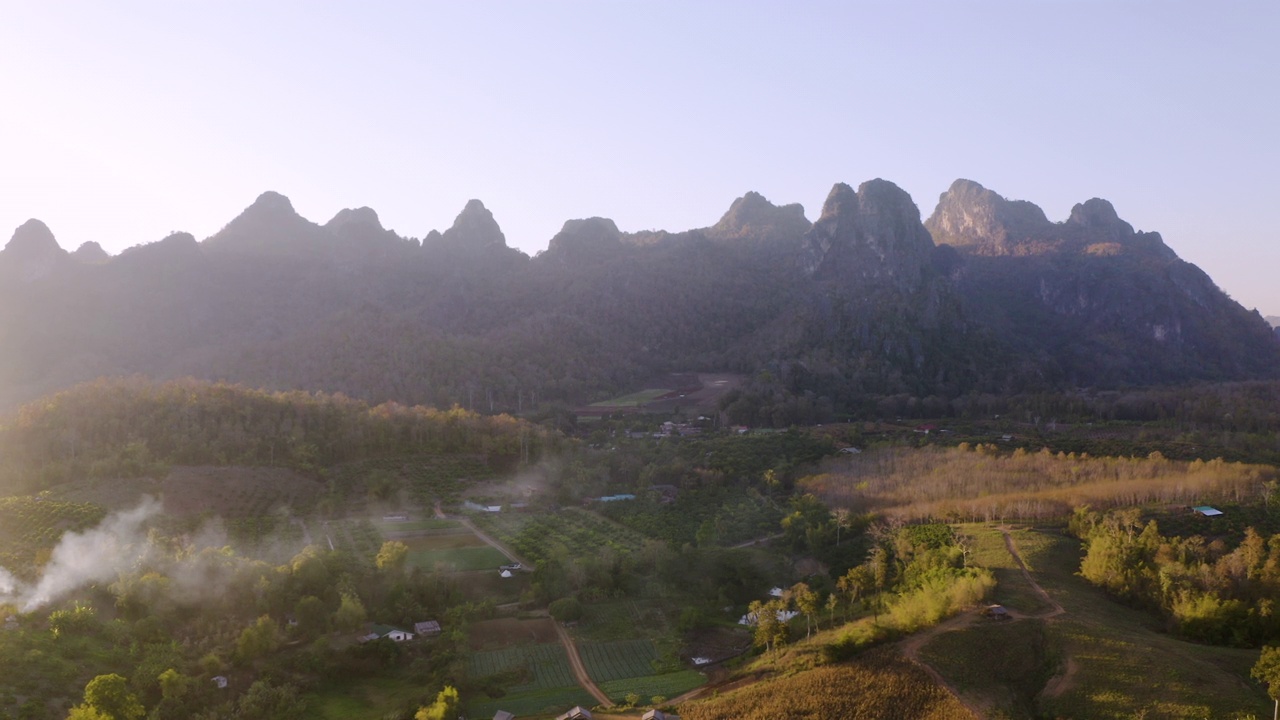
x,y
573,532
618,660
31,524
542,667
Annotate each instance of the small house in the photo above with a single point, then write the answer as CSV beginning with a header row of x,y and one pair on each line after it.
x,y
430,628
657,715
503,715
997,612
220,681
395,634
577,712
1207,511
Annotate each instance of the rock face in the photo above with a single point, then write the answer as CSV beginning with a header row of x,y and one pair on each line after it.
x,y
32,253
872,237
972,217
753,218
1095,298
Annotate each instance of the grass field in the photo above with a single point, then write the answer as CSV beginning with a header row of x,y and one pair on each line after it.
x,y
635,399
665,686
1012,588
1120,665
458,559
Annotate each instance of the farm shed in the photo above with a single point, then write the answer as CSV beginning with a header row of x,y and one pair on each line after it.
x,y
429,627
1207,511
577,712
657,715
997,612
220,681
503,715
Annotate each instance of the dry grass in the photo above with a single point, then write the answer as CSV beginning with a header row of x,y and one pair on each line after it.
x,y
961,484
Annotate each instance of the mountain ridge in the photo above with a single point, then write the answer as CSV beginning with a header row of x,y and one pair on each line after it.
x,y
986,295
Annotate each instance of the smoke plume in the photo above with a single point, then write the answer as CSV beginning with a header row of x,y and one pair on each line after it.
x,y
95,555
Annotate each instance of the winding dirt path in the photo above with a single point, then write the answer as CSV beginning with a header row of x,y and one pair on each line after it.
x,y
911,646
580,670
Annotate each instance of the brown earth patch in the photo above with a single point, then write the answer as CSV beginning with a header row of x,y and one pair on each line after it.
x,y
236,491
506,632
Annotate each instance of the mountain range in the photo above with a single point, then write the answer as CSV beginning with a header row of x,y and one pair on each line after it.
x,y
986,295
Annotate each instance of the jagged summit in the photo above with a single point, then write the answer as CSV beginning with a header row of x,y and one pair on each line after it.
x,y
979,221
970,216
753,217
871,235
474,227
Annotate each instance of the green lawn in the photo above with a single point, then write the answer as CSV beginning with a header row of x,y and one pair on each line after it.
x,y
459,559
1012,588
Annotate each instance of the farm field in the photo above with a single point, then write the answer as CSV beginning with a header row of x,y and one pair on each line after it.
x,y
29,525
422,479
617,660
235,491
506,632
573,531
648,687
545,680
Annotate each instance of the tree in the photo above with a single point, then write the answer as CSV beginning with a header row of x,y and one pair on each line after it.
x,y
445,707
1267,670
565,609
107,697
312,618
260,638
807,603
173,684
770,631
392,556
350,614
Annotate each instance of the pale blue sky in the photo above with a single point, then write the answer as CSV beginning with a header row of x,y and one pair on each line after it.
x,y
123,121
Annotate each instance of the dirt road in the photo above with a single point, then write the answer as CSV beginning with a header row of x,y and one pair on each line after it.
x,y
495,544
579,670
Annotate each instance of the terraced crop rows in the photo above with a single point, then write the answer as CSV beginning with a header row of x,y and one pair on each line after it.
x,y
607,661
548,664
573,531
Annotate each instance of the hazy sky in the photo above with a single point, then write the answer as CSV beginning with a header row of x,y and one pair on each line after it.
x,y
123,121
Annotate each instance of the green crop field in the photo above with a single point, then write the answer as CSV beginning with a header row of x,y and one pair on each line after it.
x,y
666,686
535,702
543,680
29,525
573,531
458,559
615,660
